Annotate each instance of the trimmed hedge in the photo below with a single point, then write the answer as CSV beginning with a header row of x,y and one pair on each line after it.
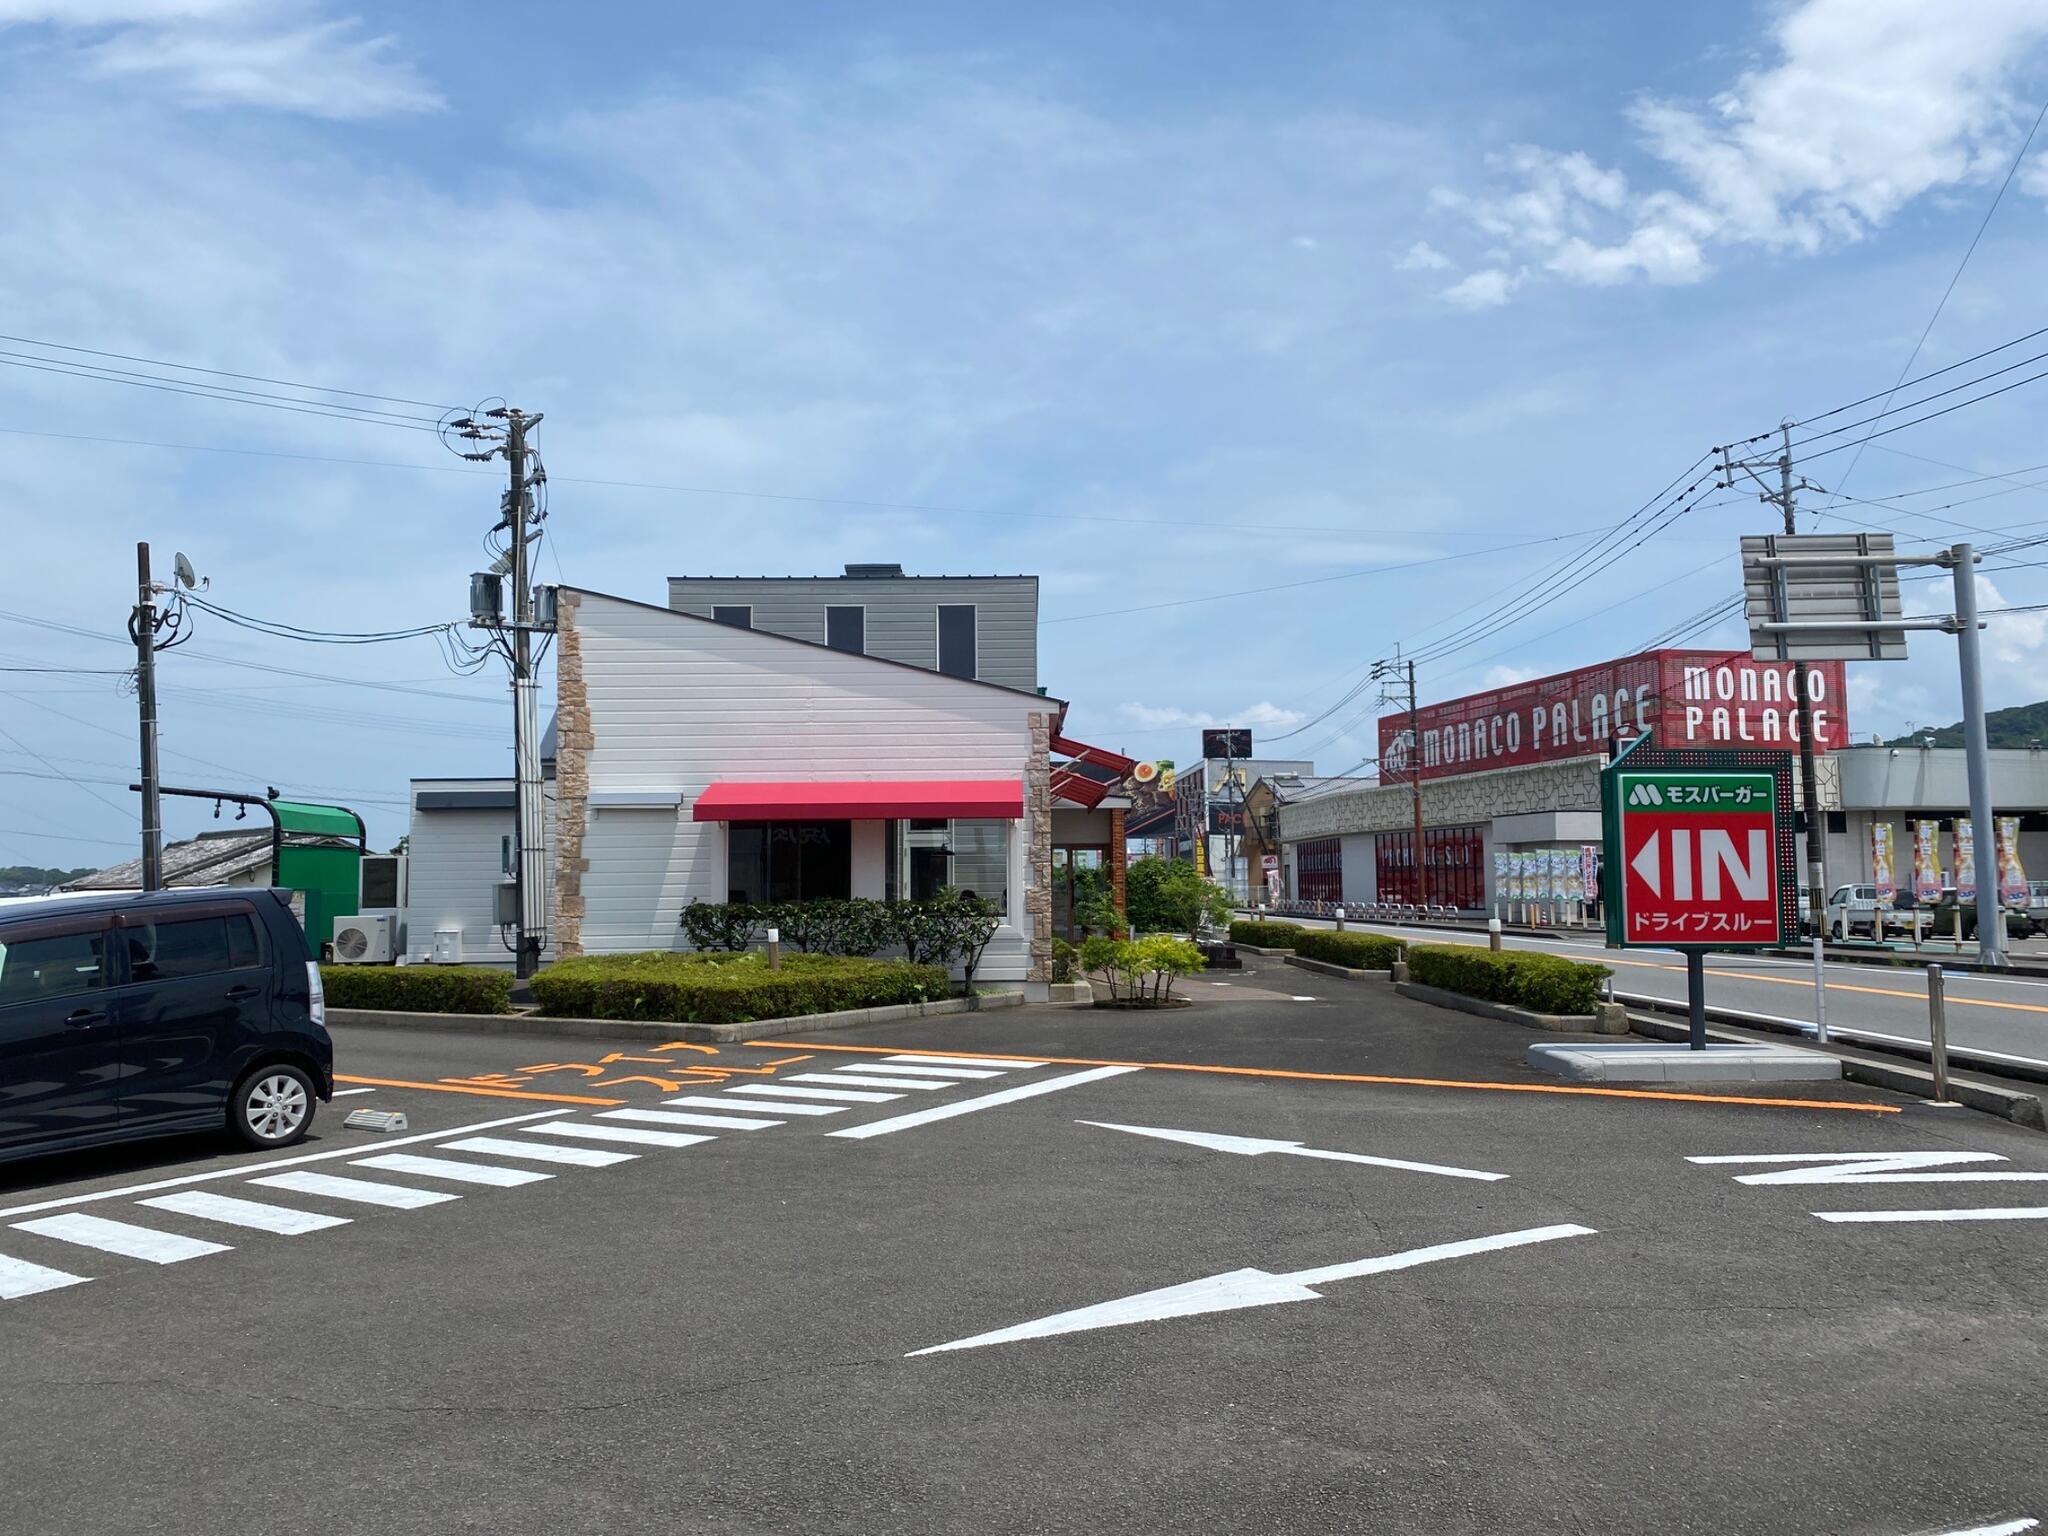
x,y
418,988
1538,982
1264,935
725,988
1360,951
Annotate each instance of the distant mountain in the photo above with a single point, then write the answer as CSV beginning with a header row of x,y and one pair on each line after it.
x,y
2021,726
29,874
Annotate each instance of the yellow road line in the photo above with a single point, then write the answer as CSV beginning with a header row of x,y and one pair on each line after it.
x,y
479,1092
1354,1077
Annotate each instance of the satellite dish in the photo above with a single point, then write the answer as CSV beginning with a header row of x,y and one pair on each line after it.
x,y
187,577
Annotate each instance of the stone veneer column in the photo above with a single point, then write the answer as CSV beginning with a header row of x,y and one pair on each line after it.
x,y
1038,870
572,777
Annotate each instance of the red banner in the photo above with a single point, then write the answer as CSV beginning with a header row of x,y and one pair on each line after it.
x,y
1690,699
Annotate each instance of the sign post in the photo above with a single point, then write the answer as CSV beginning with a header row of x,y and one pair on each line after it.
x,y
1699,857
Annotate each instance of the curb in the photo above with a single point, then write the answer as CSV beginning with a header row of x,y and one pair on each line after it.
x,y
644,1029
2023,1109
1329,967
1557,1023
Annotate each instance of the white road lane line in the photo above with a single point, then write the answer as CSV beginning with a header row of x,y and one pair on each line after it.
x,y
847,1095
986,1101
993,1063
243,1170
280,1219
2002,1528
335,1186
896,1066
18,1277
589,1132
1981,1213
541,1152
130,1242
342,1093
674,1117
452,1168
866,1080
730,1106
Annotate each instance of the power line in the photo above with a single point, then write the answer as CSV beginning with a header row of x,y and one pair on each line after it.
x,y
11,361
1956,276
222,373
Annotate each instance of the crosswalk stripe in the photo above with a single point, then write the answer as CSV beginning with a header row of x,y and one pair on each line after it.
x,y
895,1066
673,1117
1030,1090
618,1133
280,1219
335,1186
854,1096
702,1101
452,1168
867,1080
541,1152
18,1277
995,1063
131,1242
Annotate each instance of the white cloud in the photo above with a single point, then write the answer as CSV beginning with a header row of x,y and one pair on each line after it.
x,y
1864,106
288,56
1422,257
1487,289
1161,716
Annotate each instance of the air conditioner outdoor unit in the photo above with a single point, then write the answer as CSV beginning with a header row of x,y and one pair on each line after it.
x,y
365,939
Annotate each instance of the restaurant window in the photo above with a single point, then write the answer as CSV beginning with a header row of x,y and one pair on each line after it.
x,y
957,656
789,860
846,629
929,855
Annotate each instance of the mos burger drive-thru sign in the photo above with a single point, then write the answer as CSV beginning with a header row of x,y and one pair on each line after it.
x,y
1686,699
1697,858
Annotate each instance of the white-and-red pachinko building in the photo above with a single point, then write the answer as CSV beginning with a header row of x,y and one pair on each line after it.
x,y
1510,782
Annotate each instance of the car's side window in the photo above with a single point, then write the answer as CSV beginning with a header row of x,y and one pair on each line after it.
x,y
53,966
244,951
170,949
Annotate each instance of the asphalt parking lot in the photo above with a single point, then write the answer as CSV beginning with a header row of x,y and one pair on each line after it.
x,y
1040,1271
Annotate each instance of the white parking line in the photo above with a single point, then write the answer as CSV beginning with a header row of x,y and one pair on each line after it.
x,y
335,1186
541,1152
1980,1213
897,1067
591,1132
861,1079
243,1170
342,1093
280,1219
18,1277
741,1106
130,1242
453,1168
848,1095
986,1101
676,1117
998,1063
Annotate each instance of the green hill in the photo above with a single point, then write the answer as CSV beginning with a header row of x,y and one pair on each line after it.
x,y
2024,725
29,874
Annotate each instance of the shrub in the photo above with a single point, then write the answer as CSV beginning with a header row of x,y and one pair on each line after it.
x,y
725,988
418,988
856,927
1360,951
1538,982
1265,935
1170,896
1063,957
728,925
1141,970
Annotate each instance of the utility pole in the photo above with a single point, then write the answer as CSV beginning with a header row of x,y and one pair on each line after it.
x,y
504,430
142,626
1393,669
1983,827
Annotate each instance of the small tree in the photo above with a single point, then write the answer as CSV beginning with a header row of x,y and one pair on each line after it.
x,y
1141,971
1166,895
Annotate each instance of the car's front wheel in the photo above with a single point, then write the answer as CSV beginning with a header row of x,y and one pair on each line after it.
x,y
272,1106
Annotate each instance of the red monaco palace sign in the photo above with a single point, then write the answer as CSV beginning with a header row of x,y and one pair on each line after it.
x,y
1690,698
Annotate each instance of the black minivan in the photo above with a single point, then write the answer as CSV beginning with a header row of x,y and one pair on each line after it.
x,y
125,1015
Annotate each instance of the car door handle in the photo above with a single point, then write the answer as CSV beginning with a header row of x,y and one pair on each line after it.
x,y
238,994
85,1018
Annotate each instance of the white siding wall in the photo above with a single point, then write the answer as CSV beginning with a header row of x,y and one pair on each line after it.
x,y
678,703
455,859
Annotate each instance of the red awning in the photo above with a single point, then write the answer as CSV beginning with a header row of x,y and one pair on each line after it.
x,y
860,800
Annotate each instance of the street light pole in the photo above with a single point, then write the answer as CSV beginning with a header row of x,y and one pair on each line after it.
x,y
1977,758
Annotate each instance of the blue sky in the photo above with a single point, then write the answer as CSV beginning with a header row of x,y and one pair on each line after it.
x,y
1160,305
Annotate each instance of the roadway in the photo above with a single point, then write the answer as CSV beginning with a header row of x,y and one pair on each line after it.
x,y
2000,1018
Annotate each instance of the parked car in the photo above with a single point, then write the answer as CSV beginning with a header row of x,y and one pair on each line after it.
x,y
1852,910
1941,919
126,1015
